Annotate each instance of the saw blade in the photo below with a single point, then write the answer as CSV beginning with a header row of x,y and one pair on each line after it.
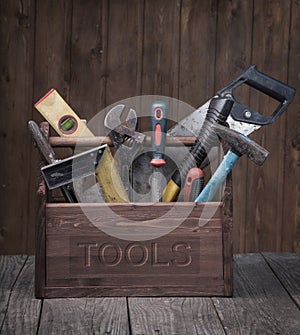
x,y
191,125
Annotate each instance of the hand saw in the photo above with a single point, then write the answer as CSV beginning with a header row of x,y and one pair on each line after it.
x,y
66,123
225,108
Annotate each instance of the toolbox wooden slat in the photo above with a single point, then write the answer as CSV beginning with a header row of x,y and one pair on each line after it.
x,y
76,257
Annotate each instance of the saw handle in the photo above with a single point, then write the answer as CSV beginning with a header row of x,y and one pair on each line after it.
x,y
159,111
265,84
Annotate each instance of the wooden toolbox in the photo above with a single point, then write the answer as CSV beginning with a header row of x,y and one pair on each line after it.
x,y
75,258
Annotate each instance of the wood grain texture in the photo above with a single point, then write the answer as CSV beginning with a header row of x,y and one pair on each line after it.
x,y
89,53
173,316
23,310
40,222
265,301
197,36
286,267
17,51
260,304
291,193
186,49
84,316
92,258
270,52
10,270
125,50
233,55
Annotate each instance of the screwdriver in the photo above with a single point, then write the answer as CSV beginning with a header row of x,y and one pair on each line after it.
x,y
159,111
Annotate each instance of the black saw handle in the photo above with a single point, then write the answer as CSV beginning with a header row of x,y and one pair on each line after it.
x,y
220,107
265,84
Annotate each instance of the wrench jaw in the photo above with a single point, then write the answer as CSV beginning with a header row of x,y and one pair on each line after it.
x,y
127,142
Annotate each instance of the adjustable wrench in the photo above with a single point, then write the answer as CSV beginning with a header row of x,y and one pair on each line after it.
x,y
126,140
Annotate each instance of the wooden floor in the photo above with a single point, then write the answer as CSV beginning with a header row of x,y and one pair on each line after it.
x,y
266,301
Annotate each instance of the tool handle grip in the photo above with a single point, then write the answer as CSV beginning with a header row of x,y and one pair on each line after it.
x,y
41,142
193,184
265,84
218,177
159,111
218,111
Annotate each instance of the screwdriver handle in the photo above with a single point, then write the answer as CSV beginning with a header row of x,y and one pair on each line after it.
x,y
193,184
159,117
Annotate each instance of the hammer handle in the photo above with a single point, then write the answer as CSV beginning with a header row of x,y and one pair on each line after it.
x,y
218,177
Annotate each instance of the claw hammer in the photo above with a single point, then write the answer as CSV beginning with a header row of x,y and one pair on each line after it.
x,y
239,145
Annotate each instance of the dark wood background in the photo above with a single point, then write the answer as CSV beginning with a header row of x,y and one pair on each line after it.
x,y
96,52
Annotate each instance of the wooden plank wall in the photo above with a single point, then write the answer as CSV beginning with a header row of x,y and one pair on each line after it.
x,y
97,52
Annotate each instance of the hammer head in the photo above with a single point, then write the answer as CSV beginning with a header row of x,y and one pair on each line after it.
x,y
241,144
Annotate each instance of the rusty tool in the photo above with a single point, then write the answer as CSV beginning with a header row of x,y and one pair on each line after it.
x,y
49,155
125,139
239,145
221,108
76,167
68,124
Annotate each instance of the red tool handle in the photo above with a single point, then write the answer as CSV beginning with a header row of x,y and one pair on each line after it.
x,y
193,184
159,112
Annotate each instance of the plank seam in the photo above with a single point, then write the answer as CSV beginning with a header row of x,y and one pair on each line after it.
x,y
11,291
219,317
128,316
280,281
40,317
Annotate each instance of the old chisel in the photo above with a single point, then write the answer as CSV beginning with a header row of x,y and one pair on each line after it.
x,y
49,155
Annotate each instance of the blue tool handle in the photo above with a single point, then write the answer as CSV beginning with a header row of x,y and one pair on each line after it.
x,y
218,177
159,119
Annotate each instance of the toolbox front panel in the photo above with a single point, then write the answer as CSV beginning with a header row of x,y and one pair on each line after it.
x,y
84,260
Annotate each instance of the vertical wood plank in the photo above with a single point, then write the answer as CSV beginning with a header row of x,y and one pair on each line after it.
x,y
233,55
16,52
160,74
291,191
51,69
89,57
124,49
161,47
52,48
265,184
197,51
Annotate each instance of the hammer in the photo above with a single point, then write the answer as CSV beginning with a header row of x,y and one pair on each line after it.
x,y
239,145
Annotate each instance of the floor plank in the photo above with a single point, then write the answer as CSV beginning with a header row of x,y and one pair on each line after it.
x,y
23,310
260,304
105,316
172,316
10,267
287,269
